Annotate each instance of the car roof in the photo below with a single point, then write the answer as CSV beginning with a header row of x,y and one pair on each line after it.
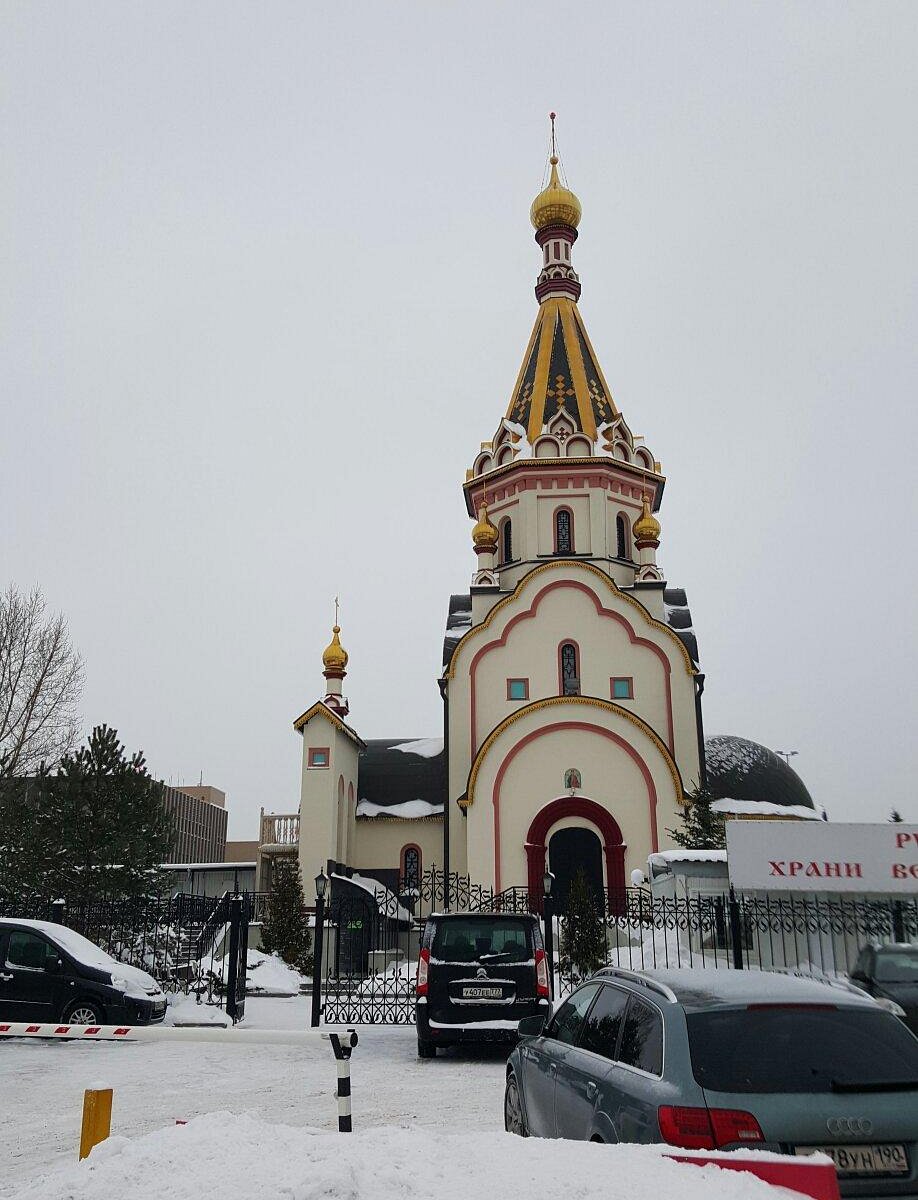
x,y
484,913
696,988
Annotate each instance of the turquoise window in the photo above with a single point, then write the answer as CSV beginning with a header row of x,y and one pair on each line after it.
x,y
622,689
517,689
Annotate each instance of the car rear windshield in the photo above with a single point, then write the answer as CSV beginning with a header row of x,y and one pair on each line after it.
x,y
801,1049
483,939
897,966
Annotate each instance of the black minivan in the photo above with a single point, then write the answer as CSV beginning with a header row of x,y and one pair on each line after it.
x,y
50,973
479,975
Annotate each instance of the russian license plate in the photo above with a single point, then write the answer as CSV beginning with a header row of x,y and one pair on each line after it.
x,y
479,992
863,1160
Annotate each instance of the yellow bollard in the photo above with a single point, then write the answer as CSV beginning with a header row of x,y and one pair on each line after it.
x,y
97,1118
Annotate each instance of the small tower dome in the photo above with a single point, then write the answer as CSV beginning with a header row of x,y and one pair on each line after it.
x,y
555,204
334,658
646,527
484,535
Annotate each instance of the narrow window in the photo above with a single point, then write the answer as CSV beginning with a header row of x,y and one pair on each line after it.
x,y
507,541
621,535
564,532
623,688
570,673
411,867
517,689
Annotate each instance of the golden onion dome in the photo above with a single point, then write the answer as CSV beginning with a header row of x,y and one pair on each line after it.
x,y
335,656
555,204
646,527
484,535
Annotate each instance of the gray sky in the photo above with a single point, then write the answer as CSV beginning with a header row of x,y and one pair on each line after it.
x,y
267,283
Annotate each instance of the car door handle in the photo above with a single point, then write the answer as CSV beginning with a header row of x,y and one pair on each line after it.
x,y
591,1089
5,977
552,1067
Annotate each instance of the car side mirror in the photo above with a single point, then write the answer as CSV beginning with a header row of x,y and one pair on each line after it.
x,y
531,1026
53,963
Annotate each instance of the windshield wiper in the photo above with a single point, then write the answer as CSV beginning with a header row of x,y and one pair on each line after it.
x,y
874,1085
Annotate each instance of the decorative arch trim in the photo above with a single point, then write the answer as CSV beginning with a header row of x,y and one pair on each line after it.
x,y
575,806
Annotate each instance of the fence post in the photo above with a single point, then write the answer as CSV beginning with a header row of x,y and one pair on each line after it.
x,y
343,1051
549,943
234,1008
58,911
898,921
317,949
736,933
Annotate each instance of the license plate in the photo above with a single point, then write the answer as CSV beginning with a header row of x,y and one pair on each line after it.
x,y
863,1160
482,993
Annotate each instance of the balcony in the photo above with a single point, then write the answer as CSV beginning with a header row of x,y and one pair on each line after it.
x,y
280,833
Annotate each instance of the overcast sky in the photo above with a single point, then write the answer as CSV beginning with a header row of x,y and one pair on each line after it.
x,y
267,283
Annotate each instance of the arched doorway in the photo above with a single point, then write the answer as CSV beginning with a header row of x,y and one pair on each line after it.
x,y
569,850
601,819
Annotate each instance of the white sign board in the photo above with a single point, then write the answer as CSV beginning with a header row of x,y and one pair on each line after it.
x,y
820,856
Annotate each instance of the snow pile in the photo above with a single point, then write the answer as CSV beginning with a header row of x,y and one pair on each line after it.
x,y
660,857
407,810
741,807
266,975
423,747
224,1153
386,900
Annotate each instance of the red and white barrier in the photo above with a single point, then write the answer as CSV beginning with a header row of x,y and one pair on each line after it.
x,y
816,1179
169,1033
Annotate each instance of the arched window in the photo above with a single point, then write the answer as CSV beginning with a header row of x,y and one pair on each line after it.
x,y
564,531
569,669
622,549
506,541
411,867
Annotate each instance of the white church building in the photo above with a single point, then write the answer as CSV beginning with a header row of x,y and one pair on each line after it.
x,y
571,684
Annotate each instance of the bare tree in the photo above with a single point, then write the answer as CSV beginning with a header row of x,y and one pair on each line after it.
x,y
41,680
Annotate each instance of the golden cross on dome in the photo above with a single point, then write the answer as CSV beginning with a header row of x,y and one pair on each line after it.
x,y
336,610
551,117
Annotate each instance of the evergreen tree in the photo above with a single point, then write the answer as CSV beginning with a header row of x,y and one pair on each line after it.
x,y
98,827
702,827
285,929
583,930
895,816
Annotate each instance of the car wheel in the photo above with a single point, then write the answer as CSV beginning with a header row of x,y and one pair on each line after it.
x,y
84,1012
513,1109
426,1049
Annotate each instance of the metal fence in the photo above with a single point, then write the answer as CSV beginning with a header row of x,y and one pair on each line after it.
x,y
368,964
185,942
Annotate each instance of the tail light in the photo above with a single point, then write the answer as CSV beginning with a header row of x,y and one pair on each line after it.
x,y
706,1129
541,965
423,968
734,1125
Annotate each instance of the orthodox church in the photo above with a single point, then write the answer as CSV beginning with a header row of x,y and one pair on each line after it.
x,y
571,685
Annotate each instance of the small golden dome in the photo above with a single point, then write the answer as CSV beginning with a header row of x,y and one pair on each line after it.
x,y
484,535
556,203
646,527
335,655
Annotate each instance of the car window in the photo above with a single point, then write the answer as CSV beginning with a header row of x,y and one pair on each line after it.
x,y
503,939
796,1049
604,1021
642,1038
568,1020
897,966
27,950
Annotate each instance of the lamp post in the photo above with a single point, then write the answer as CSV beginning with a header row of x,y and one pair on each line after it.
x,y
317,947
547,880
787,755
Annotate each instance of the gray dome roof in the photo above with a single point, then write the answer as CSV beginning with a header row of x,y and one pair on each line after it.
x,y
738,769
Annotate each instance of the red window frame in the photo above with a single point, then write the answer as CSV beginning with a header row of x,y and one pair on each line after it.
x,y
314,751
524,682
629,679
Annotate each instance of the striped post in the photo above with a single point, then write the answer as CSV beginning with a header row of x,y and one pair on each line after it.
x,y
343,1048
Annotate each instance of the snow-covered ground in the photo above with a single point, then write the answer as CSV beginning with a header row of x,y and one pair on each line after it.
x,y
156,1084
223,1154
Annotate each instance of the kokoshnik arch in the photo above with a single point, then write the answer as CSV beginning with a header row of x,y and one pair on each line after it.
x,y
571,686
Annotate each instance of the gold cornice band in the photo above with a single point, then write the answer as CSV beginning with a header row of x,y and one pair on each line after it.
x,y
590,702
568,565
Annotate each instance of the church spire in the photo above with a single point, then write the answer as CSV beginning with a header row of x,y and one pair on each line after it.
x,y
334,664
555,215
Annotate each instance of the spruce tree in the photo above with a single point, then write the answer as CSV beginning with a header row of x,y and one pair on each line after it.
x,y
285,929
583,930
702,827
895,816
111,831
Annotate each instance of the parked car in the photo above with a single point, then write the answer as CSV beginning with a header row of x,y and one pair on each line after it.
x,y
50,973
889,973
479,974
722,1059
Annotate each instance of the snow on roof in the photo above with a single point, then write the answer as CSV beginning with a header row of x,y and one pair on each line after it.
x,y
699,986
385,899
423,747
407,810
742,807
661,857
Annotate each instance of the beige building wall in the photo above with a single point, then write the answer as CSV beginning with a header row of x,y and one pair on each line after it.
x,y
324,791
378,841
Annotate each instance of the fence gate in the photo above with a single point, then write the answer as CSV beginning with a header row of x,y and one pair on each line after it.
x,y
369,965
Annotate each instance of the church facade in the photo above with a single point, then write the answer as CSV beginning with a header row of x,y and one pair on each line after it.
x,y
571,687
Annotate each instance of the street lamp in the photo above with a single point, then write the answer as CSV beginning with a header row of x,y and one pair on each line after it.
x,y
787,755
321,885
547,880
